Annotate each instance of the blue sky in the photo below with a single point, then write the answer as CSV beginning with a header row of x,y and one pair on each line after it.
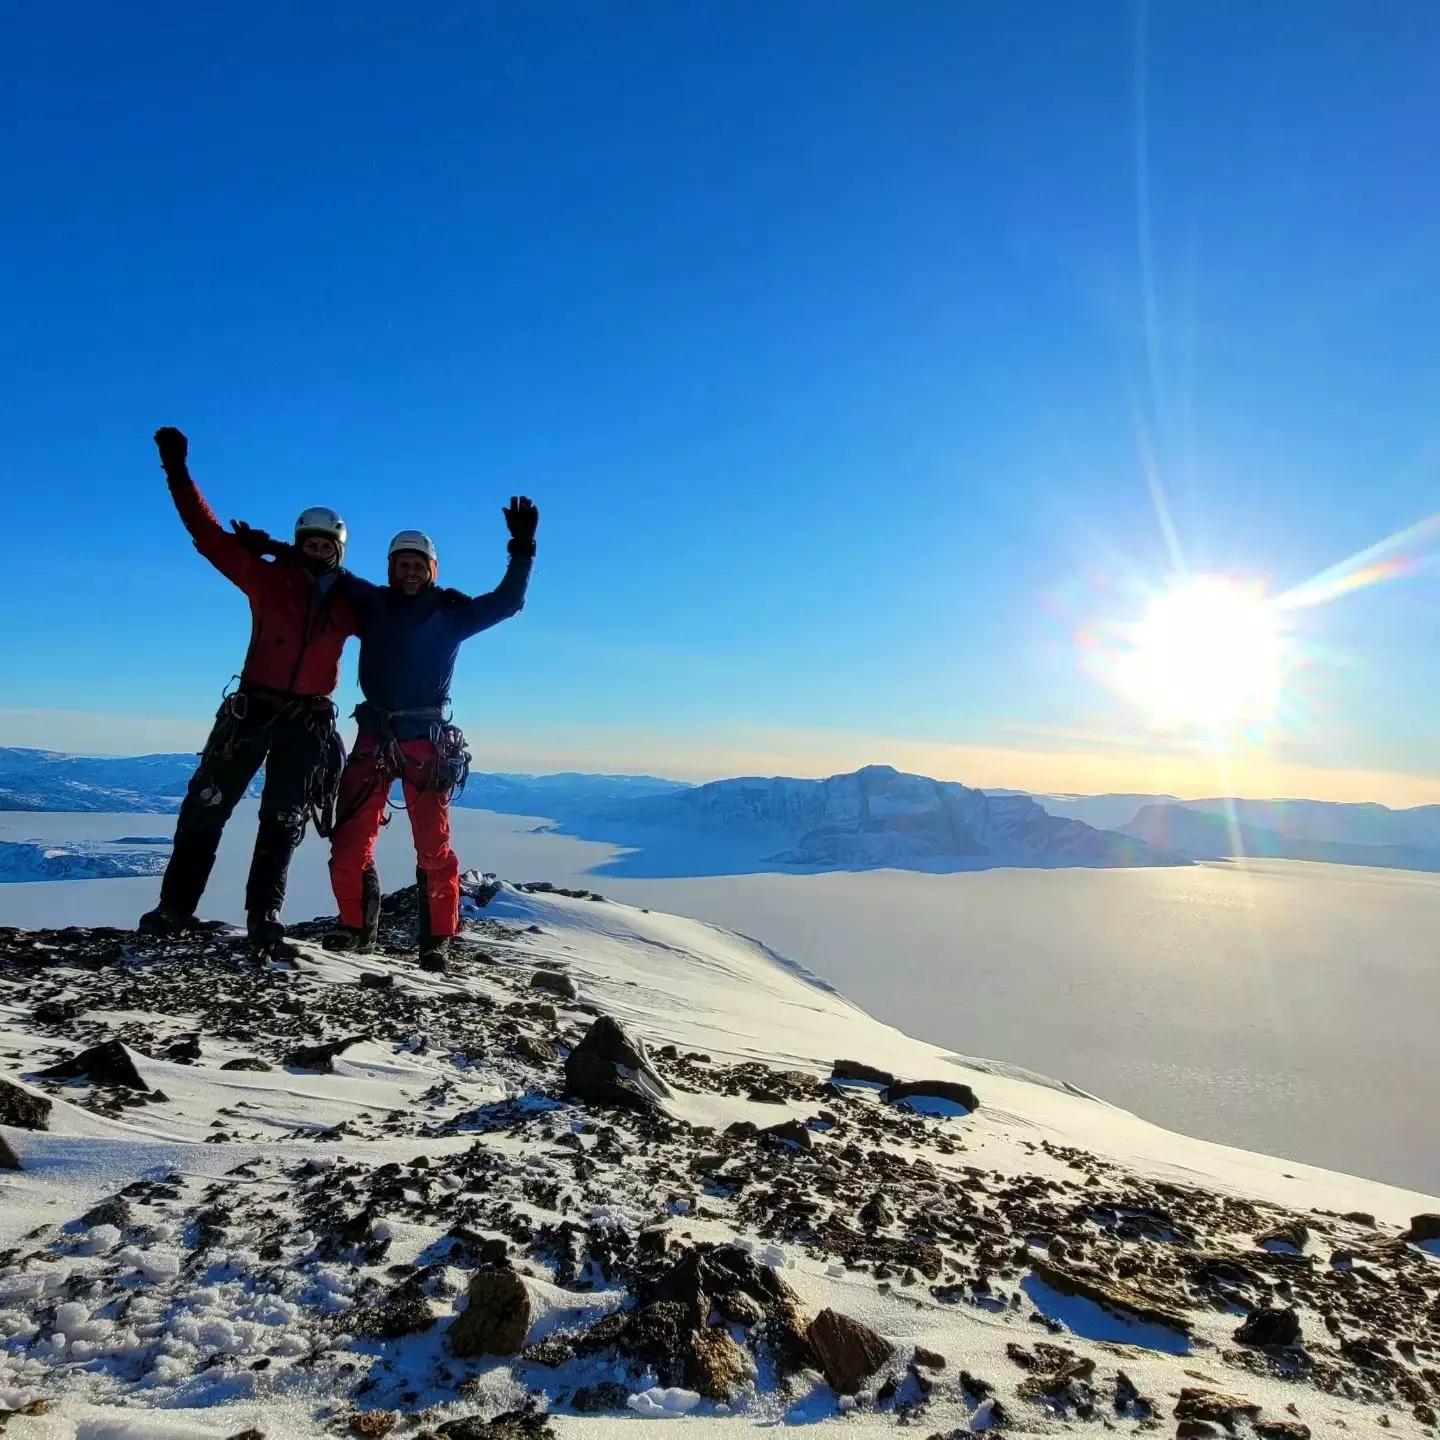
x,y
829,338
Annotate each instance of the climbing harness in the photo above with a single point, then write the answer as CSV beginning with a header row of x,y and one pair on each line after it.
x,y
445,772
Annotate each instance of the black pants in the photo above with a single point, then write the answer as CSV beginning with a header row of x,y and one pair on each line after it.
x,y
291,743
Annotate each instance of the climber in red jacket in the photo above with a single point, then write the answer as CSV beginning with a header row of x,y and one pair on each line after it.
x,y
280,715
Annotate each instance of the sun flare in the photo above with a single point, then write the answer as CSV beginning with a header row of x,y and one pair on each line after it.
x,y
1207,653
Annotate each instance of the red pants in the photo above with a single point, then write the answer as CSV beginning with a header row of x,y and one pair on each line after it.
x,y
364,792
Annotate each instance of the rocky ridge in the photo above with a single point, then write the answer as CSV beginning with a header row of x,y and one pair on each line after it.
x,y
482,1206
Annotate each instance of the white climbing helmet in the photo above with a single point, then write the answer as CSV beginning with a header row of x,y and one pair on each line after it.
x,y
416,540
318,520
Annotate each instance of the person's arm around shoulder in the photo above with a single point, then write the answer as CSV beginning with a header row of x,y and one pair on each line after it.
x,y
480,612
226,552
363,597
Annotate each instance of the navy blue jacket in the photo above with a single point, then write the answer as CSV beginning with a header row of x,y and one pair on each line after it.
x,y
408,644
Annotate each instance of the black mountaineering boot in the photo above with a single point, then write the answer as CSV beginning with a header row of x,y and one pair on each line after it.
x,y
433,953
267,938
350,941
165,920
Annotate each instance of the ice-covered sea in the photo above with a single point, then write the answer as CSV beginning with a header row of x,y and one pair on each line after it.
x,y
1283,1007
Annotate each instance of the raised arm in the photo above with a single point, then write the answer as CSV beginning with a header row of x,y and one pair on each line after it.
x,y
226,552
480,612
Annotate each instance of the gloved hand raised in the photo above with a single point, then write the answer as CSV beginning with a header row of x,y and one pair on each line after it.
x,y
173,447
522,517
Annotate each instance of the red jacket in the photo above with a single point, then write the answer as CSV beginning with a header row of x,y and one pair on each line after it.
x,y
297,630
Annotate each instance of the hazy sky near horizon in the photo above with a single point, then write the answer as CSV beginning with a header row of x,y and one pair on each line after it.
x,y
845,348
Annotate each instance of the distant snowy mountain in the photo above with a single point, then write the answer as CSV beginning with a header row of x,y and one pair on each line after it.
x,y
554,795
879,816
83,860
1104,812
48,780
1213,834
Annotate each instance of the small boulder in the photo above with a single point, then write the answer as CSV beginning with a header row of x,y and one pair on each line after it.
x,y
875,1213
372,1424
1212,1406
9,1160
849,1352
496,1316
1294,1236
184,1051
556,982
1267,1328
536,1051
954,1091
607,1395
114,1211
247,1062
107,1064
609,1068
321,1057
22,1109
1422,1228
377,980
859,1070
790,1132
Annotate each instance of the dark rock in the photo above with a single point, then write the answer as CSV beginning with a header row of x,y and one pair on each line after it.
x,y
1211,1405
556,982
406,1313
929,1358
535,1050
1295,1235
185,1051
1360,1217
1112,1295
377,980
1422,1228
742,1129
114,1211
22,1109
956,1091
859,1070
849,1352
1267,1327
790,1132
321,1057
373,1423
715,1366
107,1064
875,1213
1282,1430
609,1068
513,1425
495,1318
247,1062
607,1395
9,1160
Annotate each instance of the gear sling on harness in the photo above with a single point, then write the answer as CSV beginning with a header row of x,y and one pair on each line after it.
x,y
431,770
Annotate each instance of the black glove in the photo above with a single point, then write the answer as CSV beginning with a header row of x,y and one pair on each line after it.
x,y
451,598
522,517
260,542
173,447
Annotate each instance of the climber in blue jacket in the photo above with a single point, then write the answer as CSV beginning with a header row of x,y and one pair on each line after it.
x,y
410,635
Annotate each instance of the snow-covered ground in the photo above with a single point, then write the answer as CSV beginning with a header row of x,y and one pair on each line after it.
x,y
1283,1007
230,1291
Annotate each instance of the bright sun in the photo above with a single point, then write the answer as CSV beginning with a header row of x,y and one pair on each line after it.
x,y
1208,653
